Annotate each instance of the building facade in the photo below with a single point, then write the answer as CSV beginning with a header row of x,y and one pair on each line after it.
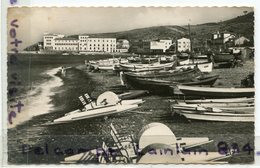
x,y
97,44
83,43
48,40
66,44
221,38
183,45
160,45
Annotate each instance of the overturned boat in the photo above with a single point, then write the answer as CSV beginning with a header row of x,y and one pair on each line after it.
x,y
106,104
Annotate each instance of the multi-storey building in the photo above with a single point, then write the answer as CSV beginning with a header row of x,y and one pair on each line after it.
x,y
91,44
48,40
66,44
83,43
183,45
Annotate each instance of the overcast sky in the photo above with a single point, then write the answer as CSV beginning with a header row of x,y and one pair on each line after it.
x,y
33,22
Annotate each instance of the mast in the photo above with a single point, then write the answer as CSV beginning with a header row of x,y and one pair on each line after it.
x,y
191,50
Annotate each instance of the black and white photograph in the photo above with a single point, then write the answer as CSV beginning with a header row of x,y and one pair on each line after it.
x,y
130,85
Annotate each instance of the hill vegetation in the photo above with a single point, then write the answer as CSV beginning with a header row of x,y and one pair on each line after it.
x,y
241,26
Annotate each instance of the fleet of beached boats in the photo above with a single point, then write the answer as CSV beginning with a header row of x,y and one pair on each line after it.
x,y
231,110
190,78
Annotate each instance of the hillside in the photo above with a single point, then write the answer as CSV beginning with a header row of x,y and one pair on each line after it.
x,y
150,33
241,25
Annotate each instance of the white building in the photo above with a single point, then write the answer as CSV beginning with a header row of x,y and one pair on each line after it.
x,y
48,40
122,45
87,43
223,37
183,44
161,45
82,44
66,44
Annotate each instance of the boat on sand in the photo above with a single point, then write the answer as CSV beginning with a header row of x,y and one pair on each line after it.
x,y
214,114
106,104
216,92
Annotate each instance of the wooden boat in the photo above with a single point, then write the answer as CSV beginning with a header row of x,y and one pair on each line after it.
x,y
223,65
230,100
132,94
196,61
177,75
209,115
244,108
106,104
218,104
223,57
145,67
143,60
163,86
203,67
107,64
216,92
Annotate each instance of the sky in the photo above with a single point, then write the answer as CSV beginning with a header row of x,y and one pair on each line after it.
x,y
35,21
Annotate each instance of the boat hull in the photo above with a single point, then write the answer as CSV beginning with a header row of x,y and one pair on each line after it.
x,y
78,115
224,117
144,67
232,100
223,57
182,75
203,67
162,86
217,92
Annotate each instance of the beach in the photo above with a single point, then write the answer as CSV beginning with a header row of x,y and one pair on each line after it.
x,y
32,141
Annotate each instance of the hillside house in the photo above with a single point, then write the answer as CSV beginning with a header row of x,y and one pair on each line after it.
x,y
160,46
183,45
222,41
